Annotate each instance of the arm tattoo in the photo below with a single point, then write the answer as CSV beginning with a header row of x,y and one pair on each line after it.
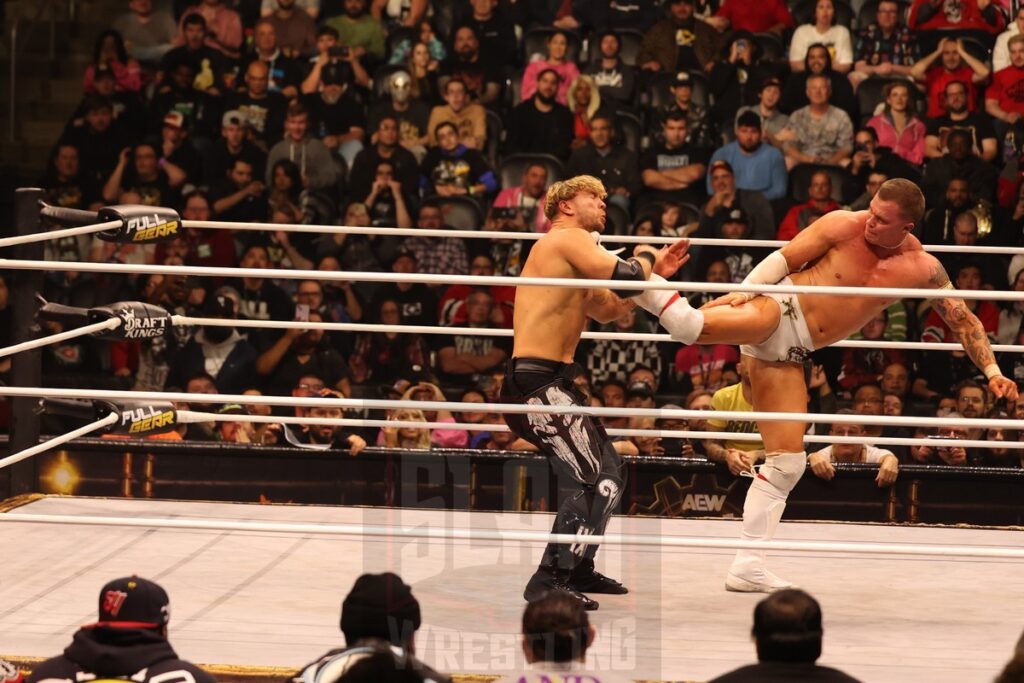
x,y
939,279
968,329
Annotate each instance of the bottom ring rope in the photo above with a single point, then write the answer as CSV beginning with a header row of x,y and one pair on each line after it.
x,y
314,529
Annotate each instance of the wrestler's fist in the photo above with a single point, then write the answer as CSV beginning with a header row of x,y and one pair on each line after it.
x,y
1003,387
671,258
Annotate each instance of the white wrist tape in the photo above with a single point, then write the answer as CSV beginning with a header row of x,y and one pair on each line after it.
x,y
768,272
674,312
992,370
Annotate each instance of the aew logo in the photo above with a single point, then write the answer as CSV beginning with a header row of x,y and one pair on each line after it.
x,y
150,227
135,327
146,419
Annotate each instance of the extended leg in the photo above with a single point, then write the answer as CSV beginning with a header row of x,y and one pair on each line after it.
x,y
776,387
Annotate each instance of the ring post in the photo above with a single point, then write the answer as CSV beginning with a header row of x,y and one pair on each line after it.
x,y
26,367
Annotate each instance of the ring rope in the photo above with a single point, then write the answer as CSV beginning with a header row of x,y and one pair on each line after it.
x,y
58,234
449,533
506,332
58,440
101,326
518,408
533,236
437,279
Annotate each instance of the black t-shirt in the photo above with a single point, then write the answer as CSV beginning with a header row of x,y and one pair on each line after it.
x,y
364,169
207,64
530,130
249,210
498,44
418,304
462,169
686,37
784,672
201,111
334,119
324,362
977,124
76,193
189,160
98,153
468,344
153,192
265,114
476,75
412,123
661,158
284,72
220,160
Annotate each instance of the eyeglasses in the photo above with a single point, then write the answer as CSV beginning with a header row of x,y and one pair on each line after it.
x,y
972,399
312,387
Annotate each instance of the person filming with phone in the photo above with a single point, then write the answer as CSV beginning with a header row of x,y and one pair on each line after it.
x,y
300,352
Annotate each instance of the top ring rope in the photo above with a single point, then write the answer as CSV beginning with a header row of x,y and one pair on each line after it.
x,y
438,279
504,235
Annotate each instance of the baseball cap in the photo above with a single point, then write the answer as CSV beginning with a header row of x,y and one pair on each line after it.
x,y
220,306
735,216
233,118
721,163
640,389
133,602
402,253
380,606
233,409
682,80
174,119
771,80
337,73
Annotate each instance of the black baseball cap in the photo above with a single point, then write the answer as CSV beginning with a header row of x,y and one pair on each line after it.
x,y
735,216
639,388
133,602
380,606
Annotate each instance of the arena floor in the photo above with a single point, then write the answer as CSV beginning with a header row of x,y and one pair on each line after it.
x,y
273,599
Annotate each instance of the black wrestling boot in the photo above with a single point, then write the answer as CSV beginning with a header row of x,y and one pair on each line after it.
x,y
586,579
543,582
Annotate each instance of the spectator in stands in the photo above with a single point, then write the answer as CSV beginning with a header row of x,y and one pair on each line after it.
x,y
787,633
1001,50
97,141
869,157
238,196
452,169
234,143
555,60
468,117
453,302
264,110
129,639
384,356
221,352
897,127
417,302
148,35
738,456
359,30
502,440
311,155
584,101
757,167
66,186
556,636
386,201
490,21
823,134
823,31
261,299
386,148
424,72
958,116
460,357
434,255
128,108
411,114
731,224
886,48
819,203
937,227
1004,98
611,358
959,161
703,364
727,196
773,121
673,169
949,62
223,27
678,42
1011,313
379,615
1000,456
301,352
541,124
406,437
295,29
819,63
177,148
522,206
699,125
439,438
821,463
141,170
860,366
109,53
895,381
284,74
615,165
753,16
329,52
207,63
616,80
336,117
978,18
957,456
466,62
737,78
206,247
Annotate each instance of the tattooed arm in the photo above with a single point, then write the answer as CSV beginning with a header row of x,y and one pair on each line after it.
x,y
971,334
604,306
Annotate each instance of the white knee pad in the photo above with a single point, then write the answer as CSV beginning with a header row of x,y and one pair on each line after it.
x,y
782,471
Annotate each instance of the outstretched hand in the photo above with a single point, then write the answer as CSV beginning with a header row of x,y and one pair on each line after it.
x,y
671,258
731,299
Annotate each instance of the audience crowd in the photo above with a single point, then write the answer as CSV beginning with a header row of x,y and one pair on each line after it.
x,y
708,118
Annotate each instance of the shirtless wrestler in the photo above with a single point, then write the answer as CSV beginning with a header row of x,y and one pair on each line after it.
x,y
872,248
548,322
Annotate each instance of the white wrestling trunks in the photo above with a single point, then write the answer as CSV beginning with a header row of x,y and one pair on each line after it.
x,y
791,341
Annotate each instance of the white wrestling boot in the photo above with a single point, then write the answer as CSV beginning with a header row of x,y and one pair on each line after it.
x,y
762,512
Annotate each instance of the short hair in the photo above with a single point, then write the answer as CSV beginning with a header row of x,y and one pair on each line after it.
x,y
870,131
749,119
458,80
955,82
556,628
967,384
443,124
326,30
558,76
194,19
675,115
787,627
906,194
820,77
565,190
297,108
613,383
1014,40
93,103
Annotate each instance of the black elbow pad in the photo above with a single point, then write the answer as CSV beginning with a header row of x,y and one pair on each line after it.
x,y
630,270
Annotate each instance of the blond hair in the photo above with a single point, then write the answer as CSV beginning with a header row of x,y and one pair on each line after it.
x,y
408,415
566,190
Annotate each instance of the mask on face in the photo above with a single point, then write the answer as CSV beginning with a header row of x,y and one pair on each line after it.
x,y
400,86
217,335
